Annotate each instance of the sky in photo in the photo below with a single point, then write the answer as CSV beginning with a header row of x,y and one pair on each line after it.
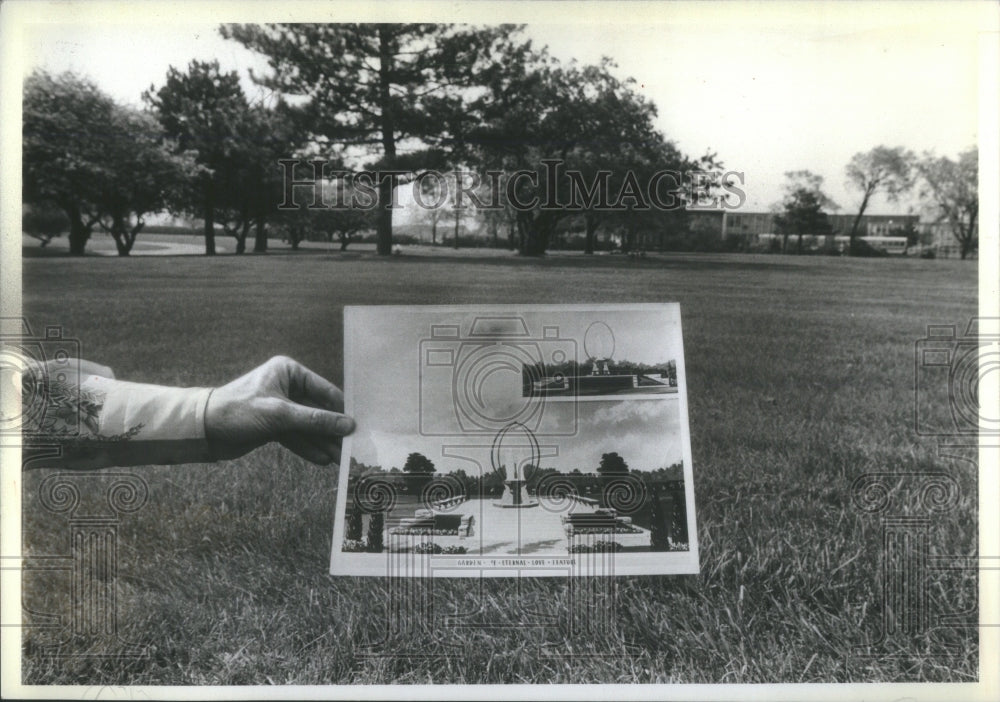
x,y
768,87
405,402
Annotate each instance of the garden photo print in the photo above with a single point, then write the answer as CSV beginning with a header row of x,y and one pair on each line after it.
x,y
506,441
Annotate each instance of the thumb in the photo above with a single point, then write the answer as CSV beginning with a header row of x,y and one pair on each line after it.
x,y
312,420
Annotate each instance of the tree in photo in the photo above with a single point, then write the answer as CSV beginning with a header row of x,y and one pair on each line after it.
x,y
612,464
375,540
952,186
418,470
355,524
418,463
884,170
659,521
375,88
802,210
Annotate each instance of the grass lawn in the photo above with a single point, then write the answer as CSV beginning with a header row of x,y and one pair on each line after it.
x,y
800,376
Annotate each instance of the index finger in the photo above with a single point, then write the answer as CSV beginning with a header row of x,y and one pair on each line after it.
x,y
308,386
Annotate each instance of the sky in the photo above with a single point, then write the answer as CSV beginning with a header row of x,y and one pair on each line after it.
x,y
404,397
768,88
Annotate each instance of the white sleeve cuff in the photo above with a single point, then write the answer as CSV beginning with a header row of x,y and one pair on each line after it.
x,y
150,412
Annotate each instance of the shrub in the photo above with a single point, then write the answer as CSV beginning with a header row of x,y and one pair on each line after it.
x,y
424,531
596,547
864,249
354,546
455,550
43,223
606,546
619,529
427,547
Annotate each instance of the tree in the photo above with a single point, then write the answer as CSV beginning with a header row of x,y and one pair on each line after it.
x,y
537,111
65,133
883,169
355,525
659,526
375,540
612,464
143,175
202,110
802,208
43,222
418,463
375,86
100,162
953,187
433,192
250,186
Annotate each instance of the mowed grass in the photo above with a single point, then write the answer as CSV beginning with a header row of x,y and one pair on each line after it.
x,y
800,374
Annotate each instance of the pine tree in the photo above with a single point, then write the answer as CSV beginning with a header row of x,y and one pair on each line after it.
x,y
354,525
658,527
375,525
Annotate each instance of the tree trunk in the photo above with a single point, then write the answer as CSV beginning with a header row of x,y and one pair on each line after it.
x,y
260,239
79,233
457,220
968,236
241,237
857,221
209,220
123,238
535,233
626,241
383,222
589,220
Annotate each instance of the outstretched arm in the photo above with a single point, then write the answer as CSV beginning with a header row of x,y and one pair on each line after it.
x,y
96,421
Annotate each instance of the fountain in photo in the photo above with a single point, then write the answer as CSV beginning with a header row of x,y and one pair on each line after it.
x,y
515,494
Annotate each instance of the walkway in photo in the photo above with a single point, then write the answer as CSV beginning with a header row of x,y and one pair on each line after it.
x,y
525,531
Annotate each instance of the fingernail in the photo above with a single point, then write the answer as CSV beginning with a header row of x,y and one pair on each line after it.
x,y
345,425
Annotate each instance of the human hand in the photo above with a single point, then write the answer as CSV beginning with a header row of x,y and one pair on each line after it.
x,y
281,401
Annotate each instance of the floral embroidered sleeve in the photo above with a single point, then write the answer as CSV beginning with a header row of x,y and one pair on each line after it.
x,y
90,421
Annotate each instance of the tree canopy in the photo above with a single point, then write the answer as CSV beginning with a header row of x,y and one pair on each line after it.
x,y
953,188
802,208
100,162
612,464
380,88
882,170
418,463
